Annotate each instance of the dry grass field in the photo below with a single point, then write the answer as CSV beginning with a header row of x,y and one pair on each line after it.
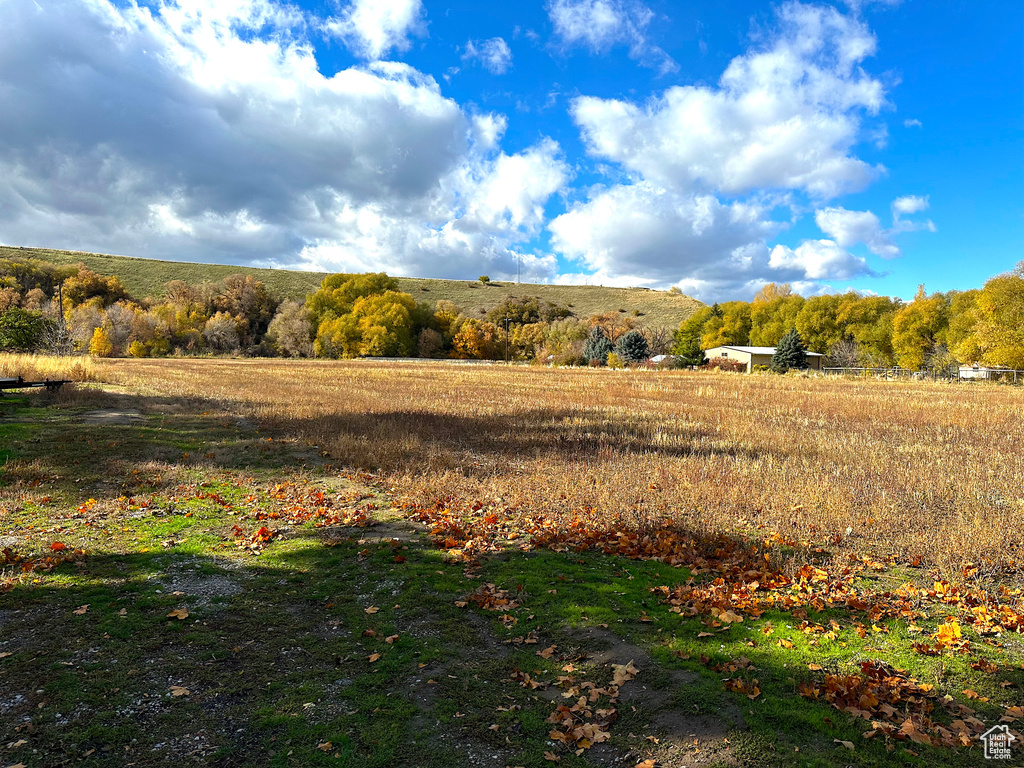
x,y
928,474
367,565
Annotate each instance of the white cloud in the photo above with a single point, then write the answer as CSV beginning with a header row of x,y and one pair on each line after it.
x,y
175,133
782,117
909,204
488,129
857,5
819,260
372,28
494,54
913,123
849,228
641,234
598,25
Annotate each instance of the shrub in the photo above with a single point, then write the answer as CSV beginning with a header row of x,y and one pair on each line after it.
x,y
484,279
615,361
726,364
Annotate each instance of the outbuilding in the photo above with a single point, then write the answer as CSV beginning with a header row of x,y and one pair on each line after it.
x,y
975,372
751,356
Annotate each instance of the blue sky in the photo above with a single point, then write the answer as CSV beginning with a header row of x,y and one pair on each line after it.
x,y
872,145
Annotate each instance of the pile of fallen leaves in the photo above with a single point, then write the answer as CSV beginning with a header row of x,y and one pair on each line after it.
x,y
590,709
901,708
60,553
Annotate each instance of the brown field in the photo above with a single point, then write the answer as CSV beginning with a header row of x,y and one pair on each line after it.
x,y
929,474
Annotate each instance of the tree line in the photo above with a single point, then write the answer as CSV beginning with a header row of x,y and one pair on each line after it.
x,y
933,331
65,309
46,307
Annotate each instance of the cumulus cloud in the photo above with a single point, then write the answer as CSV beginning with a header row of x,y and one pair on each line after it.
x,y
913,123
707,165
849,228
205,131
641,234
373,28
494,55
819,260
784,116
598,25
908,204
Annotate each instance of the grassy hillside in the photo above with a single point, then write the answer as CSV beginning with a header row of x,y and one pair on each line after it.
x,y
147,277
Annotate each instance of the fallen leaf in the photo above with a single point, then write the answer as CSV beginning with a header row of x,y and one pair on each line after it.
x,y
178,613
373,657
177,690
372,609
18,743
814,667
325,746
58,545
5,654
123,612
847,744
548,652
81,610
551,757
706,634
390,639
493,727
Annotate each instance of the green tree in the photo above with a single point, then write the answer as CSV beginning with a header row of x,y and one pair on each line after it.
x,y
632,347
690,331
21,330
598,346
790,353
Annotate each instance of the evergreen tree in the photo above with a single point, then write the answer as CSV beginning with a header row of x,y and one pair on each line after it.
x,y
632,347
791,353
598,346
689,353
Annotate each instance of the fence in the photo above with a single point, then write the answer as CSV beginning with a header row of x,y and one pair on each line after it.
x,y
1004,375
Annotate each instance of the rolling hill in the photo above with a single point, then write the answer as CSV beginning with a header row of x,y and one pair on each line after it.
x,y
147,277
